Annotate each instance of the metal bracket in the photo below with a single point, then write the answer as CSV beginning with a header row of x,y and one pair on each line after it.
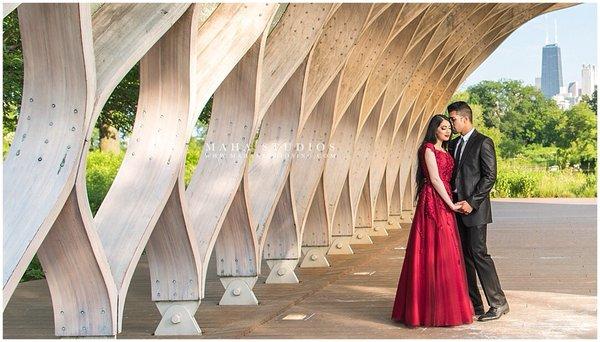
x,y
314,257
394,222
361,237
341,245
379,228
282,272
238,291
178,318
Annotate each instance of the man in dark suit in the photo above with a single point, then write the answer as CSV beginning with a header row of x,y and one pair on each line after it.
x,y
472,180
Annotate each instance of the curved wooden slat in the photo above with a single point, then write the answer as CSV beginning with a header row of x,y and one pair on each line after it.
x,y
410,11
172,255
316,227
363,58
44,154
359,166
283,239
308,163
376,11
287,46
123,33
425,36
380,30
404,72
58,96
339,35
435,16
220,214
335,174
8,7
132,208
84,296
399,143
388,62
271,163
227,30
379,159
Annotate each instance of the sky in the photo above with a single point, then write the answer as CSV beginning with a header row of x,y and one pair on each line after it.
x,y
520,55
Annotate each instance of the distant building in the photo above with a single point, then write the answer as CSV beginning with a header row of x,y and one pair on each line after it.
x,y
538,83
551,70
568,96
562,101
572,89
588,79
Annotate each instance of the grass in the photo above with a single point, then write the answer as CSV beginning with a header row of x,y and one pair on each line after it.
x,y
519,179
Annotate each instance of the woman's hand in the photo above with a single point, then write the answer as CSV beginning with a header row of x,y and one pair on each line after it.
x,y
456,207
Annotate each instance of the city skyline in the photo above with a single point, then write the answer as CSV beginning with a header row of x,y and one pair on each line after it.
x,y
519,57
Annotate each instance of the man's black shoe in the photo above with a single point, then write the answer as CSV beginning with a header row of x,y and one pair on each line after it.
x,y
479,311
494,313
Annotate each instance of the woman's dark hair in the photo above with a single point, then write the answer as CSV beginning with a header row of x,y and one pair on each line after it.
x,y
430,137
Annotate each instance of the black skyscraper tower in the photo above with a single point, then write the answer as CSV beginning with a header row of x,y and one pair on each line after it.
x,y
551,70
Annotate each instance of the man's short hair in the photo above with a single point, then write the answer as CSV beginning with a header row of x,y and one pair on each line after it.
x,y
462,108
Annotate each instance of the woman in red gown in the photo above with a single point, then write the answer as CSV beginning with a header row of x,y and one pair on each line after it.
x,y
432,290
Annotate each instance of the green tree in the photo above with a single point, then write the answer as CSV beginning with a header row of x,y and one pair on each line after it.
x,y
577,137
12,69
118,114
592,101
521,114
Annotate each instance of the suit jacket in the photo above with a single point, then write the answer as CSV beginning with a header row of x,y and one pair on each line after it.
x,y
474,177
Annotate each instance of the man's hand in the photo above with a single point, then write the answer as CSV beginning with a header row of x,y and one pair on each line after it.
x,y
465,207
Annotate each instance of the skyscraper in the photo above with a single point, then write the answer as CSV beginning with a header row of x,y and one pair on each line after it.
x,y
588,79
551,70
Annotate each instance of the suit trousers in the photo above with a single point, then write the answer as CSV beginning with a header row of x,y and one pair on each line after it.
x,y
479,264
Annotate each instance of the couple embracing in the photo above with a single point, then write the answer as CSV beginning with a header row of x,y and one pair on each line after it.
x,y
446,251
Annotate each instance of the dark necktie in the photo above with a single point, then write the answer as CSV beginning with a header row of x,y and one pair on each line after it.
x,y
459,149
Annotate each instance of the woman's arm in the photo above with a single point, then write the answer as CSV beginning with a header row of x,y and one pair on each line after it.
x,y
436,181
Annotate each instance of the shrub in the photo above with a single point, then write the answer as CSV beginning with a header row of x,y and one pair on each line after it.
x,y
513,183
102,169
191,159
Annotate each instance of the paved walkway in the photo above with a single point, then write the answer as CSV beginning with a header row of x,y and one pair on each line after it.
x,y
545,254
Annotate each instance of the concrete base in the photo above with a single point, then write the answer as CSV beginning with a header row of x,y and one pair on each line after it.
x,y
282,272
178,318
314,257
361,237
238,291
340,245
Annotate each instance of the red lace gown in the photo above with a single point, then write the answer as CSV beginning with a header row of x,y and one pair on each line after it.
x,y
432,290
